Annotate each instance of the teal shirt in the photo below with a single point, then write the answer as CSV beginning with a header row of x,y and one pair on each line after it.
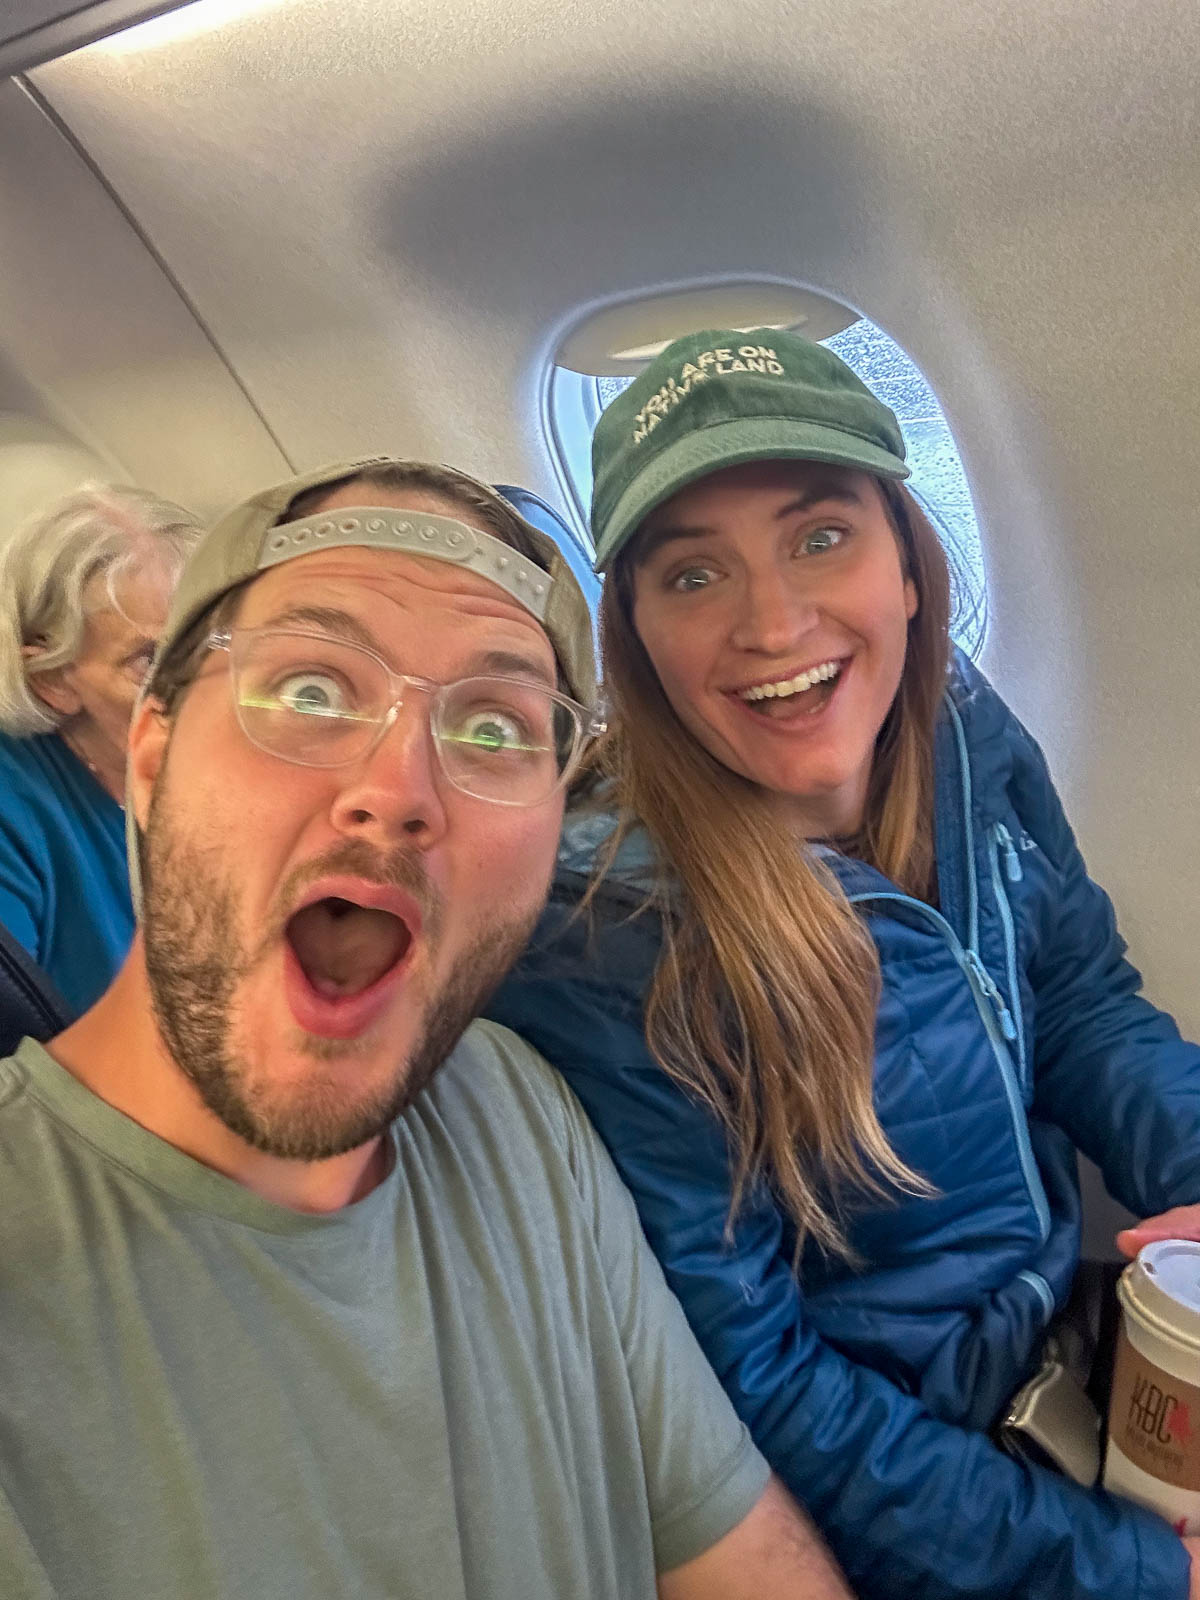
x,y
473,1384
64,879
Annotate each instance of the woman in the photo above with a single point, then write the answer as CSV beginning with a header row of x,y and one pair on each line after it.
x,y
83,596
844,1002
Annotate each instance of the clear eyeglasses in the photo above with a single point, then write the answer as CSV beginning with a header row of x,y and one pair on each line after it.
x,y
319,701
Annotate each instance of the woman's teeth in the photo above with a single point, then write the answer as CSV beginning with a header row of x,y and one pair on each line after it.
x,y
797,685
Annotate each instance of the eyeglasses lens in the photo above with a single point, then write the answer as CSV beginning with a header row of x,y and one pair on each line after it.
x,y
314,701
504,740
321,702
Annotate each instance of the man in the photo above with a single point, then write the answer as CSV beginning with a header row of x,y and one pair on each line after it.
x,y
284,1314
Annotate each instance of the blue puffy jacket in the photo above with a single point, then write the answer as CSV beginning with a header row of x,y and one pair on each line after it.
x,y
1010,1032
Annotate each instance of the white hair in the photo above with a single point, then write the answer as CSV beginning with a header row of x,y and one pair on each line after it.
x,y
45,566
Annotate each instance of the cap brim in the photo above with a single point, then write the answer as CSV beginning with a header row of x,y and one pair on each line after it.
x,y
730,444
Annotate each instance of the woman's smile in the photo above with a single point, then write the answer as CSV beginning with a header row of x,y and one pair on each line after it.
x,y
801,695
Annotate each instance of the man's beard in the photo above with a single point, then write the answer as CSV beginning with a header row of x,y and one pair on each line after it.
x,y
195,961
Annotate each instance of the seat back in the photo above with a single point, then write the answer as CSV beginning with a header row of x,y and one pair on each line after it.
x,y
29,1002
534,509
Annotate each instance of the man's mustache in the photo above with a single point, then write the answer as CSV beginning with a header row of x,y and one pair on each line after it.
x,y
395,869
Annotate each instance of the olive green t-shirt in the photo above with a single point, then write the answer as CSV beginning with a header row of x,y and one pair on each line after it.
x,y
472,1383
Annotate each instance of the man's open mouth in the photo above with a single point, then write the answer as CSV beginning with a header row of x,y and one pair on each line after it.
x,y
343,948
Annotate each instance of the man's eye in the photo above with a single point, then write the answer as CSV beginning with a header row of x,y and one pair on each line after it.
x,y
820,540
311,694
491,730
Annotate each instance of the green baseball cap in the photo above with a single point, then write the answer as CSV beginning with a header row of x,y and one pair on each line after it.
x,y
251,539
722,397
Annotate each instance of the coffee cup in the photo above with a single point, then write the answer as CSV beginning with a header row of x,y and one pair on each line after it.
x,y
1154,1418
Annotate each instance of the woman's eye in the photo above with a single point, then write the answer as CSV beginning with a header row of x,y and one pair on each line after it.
x,y
820,540
689,579
138,665
311,694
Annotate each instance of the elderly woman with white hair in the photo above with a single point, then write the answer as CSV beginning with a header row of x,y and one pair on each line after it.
x,y
84,591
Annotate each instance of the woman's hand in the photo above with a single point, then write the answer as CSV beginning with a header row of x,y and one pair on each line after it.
x,y
1181,1222
1193,1549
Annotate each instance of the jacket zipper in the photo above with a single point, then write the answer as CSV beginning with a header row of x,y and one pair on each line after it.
x,y
1002,844
1012,1029
990,1005
997,1018
1013,870
964,778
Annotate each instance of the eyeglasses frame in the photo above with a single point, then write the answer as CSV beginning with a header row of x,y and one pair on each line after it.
x,y
589,723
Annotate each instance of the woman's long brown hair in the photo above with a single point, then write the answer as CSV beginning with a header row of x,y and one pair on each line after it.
x,y
763,1000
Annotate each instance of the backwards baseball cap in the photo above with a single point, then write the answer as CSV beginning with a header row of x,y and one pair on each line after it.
x,y
722,397
251,539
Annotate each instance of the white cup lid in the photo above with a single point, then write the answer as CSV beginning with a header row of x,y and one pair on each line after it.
x,y
1174,1267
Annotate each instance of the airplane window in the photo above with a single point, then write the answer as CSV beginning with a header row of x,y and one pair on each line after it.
x,y
574,404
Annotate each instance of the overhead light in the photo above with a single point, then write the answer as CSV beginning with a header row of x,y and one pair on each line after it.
x,y
619,339
189,21
643,354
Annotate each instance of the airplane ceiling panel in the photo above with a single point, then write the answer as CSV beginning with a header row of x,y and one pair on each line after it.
x,y
369,189
386,215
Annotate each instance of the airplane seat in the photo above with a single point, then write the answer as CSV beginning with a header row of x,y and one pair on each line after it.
x,y
29,1002
546,520
1103,1217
